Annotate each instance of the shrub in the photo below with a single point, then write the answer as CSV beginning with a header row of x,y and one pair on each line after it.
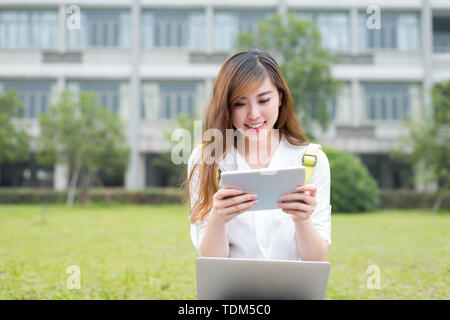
x,y
106,195
353,189
411,199
389,199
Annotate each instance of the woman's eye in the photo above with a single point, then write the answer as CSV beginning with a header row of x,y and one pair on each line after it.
x,y
239,104
265,101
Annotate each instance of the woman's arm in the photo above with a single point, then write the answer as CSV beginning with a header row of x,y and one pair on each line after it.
x,y
227,204
310,209
215,240
301,204
310,244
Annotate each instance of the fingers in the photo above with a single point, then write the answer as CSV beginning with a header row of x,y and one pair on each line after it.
x,y
226,192
238,199
297,196
231,202
312,189
295,213
239,208
296,206
302,200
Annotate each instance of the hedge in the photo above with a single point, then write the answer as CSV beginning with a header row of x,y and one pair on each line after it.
x,y
106,195
411,199
388,199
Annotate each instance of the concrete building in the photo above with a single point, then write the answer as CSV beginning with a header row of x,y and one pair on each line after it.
x,y
152,60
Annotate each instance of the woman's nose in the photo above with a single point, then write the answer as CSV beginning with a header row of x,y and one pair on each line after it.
x,y
253,112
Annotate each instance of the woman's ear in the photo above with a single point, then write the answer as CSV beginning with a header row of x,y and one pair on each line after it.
x,y
281,97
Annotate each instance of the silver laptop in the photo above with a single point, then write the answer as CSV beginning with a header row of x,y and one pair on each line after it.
x,y
248,279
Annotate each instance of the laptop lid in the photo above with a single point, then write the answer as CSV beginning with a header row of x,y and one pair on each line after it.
x,y
248,279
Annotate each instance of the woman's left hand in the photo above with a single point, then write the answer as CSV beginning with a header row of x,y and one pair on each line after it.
x,y
301,203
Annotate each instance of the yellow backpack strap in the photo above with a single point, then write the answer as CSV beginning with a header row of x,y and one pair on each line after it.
x,y
309,159
219,172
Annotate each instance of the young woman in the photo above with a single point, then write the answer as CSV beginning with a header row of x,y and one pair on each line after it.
x,y
251,98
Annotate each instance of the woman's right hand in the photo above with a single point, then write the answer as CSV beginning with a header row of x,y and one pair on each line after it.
x,y
230,202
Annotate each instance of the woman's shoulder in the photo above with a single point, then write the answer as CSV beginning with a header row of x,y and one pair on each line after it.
x,y
195,154
194,158
298,150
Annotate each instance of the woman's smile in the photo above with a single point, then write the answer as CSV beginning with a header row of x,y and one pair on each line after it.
x,y
256,125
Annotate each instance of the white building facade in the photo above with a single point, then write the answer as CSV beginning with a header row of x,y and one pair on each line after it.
x,y
152,60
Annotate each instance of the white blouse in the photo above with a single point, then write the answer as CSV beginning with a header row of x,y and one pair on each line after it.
x,y
269,234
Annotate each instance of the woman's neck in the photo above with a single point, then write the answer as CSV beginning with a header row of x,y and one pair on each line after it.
x,y
258,153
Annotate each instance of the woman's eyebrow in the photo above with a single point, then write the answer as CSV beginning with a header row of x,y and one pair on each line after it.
x,y
263,93
259,94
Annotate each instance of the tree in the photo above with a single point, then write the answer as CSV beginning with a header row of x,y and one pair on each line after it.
x,y
427,145
164,160
14,141
306,65
85,135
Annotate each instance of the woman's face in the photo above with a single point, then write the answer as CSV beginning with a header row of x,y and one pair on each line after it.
x,y
255,114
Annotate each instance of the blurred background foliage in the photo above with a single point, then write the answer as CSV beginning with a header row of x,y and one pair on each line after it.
x,y
306,65
84,134
14,141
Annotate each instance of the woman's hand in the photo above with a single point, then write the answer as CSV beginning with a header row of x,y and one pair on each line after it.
x,y
230,202
301,203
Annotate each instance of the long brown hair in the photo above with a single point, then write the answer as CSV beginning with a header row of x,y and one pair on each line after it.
x,y
240,74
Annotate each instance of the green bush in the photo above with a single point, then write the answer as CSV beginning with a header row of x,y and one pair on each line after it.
x,y
106,195
411,199
353,189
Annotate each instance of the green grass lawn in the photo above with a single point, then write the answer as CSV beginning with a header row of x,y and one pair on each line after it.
x,y
145,252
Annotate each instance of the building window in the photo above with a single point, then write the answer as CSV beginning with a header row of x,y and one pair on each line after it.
x,y
398,32
170,31
34,95
228,25
143,112
333,27
331,108
173,29
26,174
248,22
389,173
101,29
107,93
441,35
28,29
386,101
177,99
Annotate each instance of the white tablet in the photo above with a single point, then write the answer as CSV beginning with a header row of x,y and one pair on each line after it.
x,y
269,184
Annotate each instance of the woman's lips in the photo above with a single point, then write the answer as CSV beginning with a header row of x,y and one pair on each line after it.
x,y
262,125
